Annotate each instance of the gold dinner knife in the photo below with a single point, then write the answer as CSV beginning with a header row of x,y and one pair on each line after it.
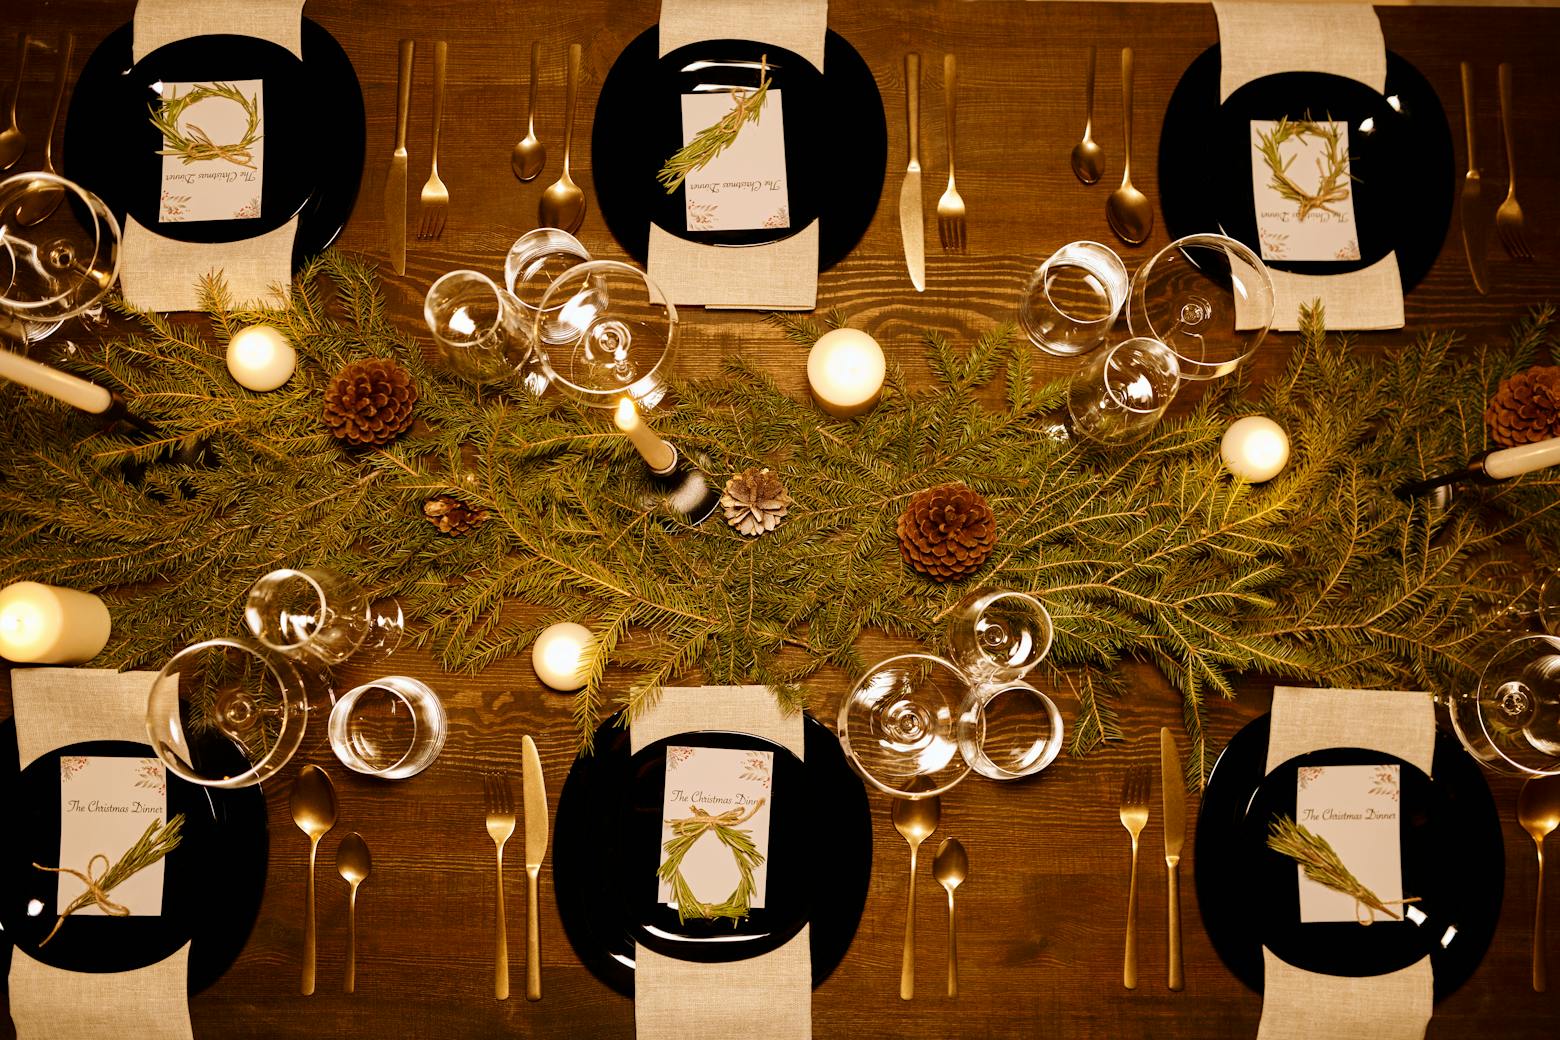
x,y
395,181
535,852
1474,230
912,221
1173,783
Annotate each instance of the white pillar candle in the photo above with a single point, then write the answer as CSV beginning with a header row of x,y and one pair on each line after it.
x,y
260,358
845,371
1255,449
1524,458
658,455
74,391
559,654
44,624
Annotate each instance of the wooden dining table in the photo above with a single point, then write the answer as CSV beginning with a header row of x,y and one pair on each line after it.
x,y
1043,912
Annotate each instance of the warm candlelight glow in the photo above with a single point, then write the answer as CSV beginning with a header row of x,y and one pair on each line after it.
x,y
658,455
260,358
845,370
559,655
1255,449
43,624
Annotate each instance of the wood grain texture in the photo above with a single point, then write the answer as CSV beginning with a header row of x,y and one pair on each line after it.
x,y
1043,910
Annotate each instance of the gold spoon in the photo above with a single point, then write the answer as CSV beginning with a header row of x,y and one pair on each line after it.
x,y
530,155
950,868
1538,810
1128,211
353,864
915,818
314,811
563,203
12,141
1088,158
46,198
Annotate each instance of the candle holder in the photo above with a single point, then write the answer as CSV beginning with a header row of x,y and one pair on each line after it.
x,y
685,490
1490,467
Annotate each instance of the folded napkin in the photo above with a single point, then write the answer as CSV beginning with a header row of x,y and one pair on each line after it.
x,y
1300,1005
54,707
158,273
1261,39
763,998
782,275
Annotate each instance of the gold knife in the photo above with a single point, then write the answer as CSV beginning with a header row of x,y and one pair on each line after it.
x,y
1173,782
1474,230
535,852
395,181
912,221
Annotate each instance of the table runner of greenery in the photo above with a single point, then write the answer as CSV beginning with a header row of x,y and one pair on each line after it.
x,y
1148,552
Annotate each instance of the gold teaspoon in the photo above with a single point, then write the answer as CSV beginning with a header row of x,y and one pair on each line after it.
x,y
950,868
916,819
1538,810
563,203
1088,158
530,155
1128,211
353,863
314,811
12,141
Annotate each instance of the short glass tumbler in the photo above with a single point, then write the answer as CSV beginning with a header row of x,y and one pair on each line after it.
x,y
996,635
1511,721
897,725
391,728
1208,298
1073,298
1122,392
481,330
1009,730
536,260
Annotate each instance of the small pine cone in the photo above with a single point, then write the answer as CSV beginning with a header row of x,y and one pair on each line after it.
x,y
947,531
370,402
452,516
754,501
1526,407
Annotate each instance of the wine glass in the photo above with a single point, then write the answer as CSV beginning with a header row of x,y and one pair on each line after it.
x,y
1122,392
604,330
897,725
59,250
320,615
1511,720
535,261
996,634
227,712
480,329
1208,298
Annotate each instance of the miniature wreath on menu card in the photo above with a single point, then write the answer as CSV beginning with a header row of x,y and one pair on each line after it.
x,y
690,829
1333,183
194,144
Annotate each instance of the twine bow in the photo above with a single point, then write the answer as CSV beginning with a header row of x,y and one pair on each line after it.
x,y
702,821
95,893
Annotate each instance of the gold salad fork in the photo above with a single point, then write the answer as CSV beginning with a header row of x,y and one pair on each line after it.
x,y
435,196
500,826
1134,817
1508,219
950,208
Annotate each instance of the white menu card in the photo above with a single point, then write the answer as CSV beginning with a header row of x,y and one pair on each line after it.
x,y
1355,808
226,187
106,804
743,188
717,780
1313,158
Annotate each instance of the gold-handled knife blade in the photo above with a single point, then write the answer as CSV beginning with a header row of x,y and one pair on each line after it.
x,y
535,852
1173,784
1475,230
912,221
395,180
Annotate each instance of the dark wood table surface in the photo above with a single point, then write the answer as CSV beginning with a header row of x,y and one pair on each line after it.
x,y
1042,913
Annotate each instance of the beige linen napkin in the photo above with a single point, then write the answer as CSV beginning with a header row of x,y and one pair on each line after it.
x,y
54,707
763,998
157,273
1261,39
1301,1005
784,274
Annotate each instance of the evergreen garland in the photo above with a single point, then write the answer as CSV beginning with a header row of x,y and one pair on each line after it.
x,y
1148,552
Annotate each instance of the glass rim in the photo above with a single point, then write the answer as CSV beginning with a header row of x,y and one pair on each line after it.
x,y
101,214
336,725
1056,257
982,599
475,337
587,395
1501,657
1175,373
270,580
842,727
981,697
1193,368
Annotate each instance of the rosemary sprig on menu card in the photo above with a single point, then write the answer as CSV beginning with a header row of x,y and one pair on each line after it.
x,y
1323,865
159,840
197,145
685,833
1333,185
717,137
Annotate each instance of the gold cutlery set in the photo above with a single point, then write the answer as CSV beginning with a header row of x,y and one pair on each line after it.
x,y
916,819
313,806
499,798
434,201
1134,817
1509,222
951,225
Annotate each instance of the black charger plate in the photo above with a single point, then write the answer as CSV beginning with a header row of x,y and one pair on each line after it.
x,y
608,846
1405,176
314,132
1453,859
836,141
212,883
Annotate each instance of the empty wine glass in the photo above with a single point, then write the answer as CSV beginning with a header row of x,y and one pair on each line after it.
x,y
318,614
1073,298
897,725
995,635
1208,298
1122,392
59,250
609,332
536,260
1511,720
227,712
481,330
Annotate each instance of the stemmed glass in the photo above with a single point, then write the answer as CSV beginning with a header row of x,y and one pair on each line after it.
x,y
1122,392
897,725
319,615
1511,721
1208,298
603,330
996,634
480,329
59,251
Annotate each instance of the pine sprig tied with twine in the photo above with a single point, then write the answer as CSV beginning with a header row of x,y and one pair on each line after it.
x,y
159,840
1334,183
1324,866
197,145
717,137
689,830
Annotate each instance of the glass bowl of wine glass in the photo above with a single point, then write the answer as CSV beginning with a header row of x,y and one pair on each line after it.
x,y
1206,297
59,248
898,725
604,330
1511,720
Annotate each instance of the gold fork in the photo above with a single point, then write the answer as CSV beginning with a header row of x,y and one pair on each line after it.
x,y
1508,219
435,196
950,208
1134,817
500,825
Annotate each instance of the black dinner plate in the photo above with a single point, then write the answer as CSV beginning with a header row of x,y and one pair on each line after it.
x,y
1452,852
836,141
1400,155
212,881
608,848
314,132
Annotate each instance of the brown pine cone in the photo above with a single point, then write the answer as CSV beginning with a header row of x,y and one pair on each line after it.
x,y
452,516
1526,407
754,501
947,531
370,402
